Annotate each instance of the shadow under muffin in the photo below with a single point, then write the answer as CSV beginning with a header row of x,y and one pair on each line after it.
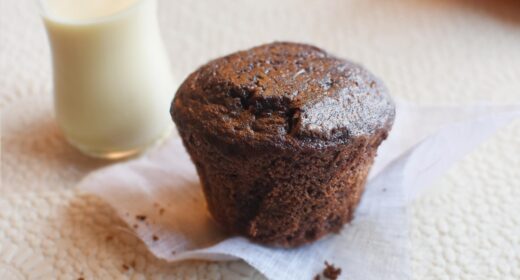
x,y
283,136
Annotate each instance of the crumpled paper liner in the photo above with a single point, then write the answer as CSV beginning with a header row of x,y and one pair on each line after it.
x,y
158,195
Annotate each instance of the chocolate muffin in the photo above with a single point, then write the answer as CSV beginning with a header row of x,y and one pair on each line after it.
x,y
283,136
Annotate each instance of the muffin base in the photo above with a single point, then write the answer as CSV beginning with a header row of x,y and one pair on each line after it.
x,y
282,197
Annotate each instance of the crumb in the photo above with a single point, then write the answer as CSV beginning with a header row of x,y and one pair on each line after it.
x,y
384,189
81,278
126,267
155,238
109,238
136,226
174,252
132,264
331,272
140,217
317,277
161,211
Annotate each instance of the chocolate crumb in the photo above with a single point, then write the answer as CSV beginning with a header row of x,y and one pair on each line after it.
x,y
126,267
161,211
109,238
132,264
81,278
331,272
317,277
140,217
155,238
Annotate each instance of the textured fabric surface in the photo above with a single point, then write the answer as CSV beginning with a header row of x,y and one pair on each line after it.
x,y
433,52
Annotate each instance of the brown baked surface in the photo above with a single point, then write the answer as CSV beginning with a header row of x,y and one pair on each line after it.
x,y
283,136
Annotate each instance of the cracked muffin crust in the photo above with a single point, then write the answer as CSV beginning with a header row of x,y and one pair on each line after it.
x,y
283,136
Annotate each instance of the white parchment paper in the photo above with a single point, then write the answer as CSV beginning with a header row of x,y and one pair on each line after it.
x,y
158,195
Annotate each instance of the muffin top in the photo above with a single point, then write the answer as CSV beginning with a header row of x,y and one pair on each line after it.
x,y
283,94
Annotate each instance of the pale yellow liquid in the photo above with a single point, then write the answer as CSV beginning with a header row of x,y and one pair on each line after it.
x,y
85,9
112,79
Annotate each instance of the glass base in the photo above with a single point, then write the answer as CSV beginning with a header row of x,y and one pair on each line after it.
x,y
121,154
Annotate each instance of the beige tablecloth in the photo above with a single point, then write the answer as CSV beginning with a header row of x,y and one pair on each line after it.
x,y
429,51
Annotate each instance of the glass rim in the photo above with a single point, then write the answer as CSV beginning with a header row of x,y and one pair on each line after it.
x,y
46,13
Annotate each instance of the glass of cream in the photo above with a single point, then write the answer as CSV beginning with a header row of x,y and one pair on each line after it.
x,y
112,79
